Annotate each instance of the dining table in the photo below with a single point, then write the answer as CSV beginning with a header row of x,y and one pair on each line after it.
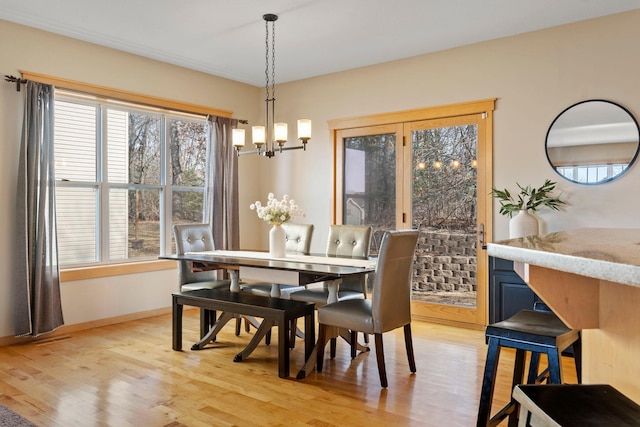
x,y
292,269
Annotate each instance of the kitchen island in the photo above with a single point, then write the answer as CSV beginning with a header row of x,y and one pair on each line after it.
x,y
591,279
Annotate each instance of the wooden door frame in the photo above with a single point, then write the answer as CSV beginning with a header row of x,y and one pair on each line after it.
x,y
459,316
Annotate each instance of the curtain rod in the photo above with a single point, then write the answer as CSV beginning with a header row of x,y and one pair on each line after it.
x,y
18,82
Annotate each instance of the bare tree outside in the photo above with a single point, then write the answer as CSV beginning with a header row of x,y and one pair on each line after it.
x,y
444,206
186,173
444,178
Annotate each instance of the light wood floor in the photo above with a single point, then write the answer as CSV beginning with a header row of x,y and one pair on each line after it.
x,y
127,375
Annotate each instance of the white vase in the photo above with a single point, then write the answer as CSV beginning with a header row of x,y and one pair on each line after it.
x,y
523,224
277,242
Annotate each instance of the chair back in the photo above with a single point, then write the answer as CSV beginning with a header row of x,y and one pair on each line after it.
x,y
391,300
350,240
298,237
193,238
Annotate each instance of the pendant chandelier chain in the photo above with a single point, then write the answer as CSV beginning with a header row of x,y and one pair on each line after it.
x,y
272,135
270,85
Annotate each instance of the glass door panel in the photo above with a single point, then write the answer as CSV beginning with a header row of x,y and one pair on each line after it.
x,y
370,179
444,180
444,190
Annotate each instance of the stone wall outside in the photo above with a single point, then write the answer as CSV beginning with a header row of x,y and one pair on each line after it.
x,y
445,261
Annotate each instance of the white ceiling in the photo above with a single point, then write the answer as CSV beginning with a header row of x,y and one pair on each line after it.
x,y
313,37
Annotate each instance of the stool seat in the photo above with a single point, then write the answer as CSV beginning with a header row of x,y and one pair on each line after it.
x,y
570,405
537,332
535,327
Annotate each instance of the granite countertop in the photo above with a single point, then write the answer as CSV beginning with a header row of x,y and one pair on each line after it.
x,y
611,254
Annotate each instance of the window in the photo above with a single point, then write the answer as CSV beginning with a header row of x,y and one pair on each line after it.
x,y
124,175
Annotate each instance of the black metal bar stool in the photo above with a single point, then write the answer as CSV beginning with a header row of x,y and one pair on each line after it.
x,y
527,331
572,405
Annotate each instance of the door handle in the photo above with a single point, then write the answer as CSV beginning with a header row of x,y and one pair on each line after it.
x,y
481,241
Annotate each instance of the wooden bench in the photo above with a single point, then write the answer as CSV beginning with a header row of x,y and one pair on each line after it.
x,y
275,312
578,405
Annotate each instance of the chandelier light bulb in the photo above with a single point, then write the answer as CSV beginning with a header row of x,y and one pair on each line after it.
x,y
258,135
304,129
280,132
238,138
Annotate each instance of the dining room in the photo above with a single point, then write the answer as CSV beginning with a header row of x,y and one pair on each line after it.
x,y
112,362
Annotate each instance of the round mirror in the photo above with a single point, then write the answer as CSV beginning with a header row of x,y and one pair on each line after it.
x,y
593,142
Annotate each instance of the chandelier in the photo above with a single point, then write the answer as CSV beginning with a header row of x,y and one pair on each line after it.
x,y
271,137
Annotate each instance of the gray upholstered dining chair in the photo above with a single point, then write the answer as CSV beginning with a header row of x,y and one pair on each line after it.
x,y
347,241
198,238
195,238
297,241
388,309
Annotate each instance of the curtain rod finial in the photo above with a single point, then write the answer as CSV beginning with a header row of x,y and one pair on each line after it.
x,y
17,81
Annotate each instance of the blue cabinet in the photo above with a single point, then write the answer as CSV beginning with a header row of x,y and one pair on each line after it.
x,y
508,293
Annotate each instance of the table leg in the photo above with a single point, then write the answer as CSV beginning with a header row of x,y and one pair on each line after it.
x,y
310,364
222,320
265,327
234,275
275,290
177,324
332,287
346,335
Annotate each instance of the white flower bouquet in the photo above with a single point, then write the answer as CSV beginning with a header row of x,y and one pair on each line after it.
x,y
277,212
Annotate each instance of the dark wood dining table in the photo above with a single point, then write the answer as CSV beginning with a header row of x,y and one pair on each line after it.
x,y
290,270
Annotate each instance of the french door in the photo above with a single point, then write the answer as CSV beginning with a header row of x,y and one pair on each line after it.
x,y
432,175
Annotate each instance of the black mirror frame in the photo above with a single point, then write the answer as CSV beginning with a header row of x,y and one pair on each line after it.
x,y
631,162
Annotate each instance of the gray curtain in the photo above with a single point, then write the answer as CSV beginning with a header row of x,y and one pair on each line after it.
x,y
221,188
38,308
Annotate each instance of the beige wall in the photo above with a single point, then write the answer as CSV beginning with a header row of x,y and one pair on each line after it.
x,y
533,76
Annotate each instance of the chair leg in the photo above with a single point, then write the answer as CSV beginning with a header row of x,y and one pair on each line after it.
x,y
408,343
366,338
382,371
534,365
513,407
332,348
354,341
555,372
267,337
293,325
488,382
207,321
322,342
247,326
238,325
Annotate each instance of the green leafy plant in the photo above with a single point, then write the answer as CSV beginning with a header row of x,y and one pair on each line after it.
x,y
528,198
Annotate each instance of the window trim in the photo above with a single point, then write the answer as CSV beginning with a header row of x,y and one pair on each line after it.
x,y
123,95
70,274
